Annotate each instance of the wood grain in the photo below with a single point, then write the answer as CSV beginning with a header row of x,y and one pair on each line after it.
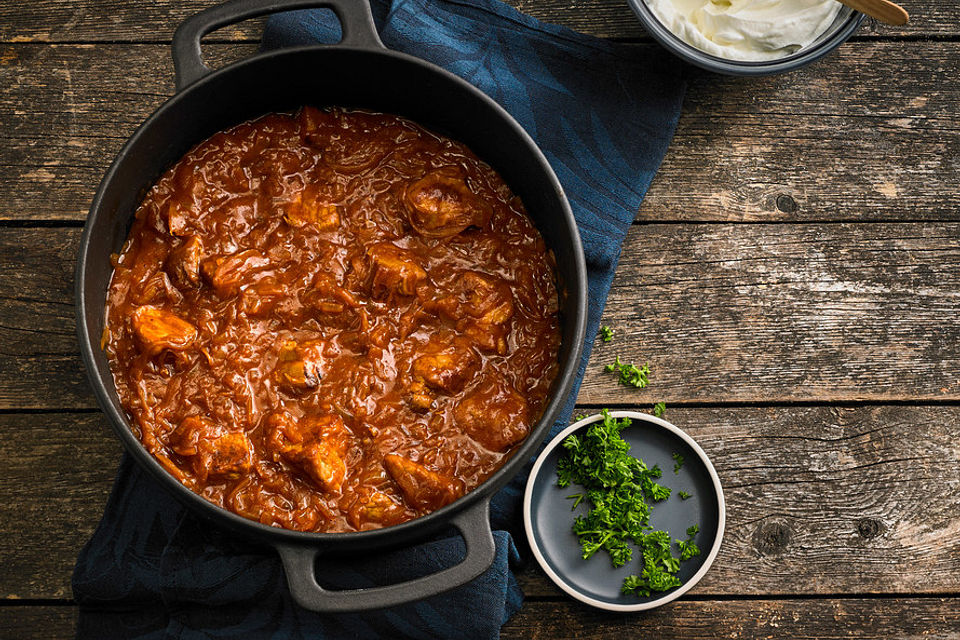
x,y
49,21
779,313
840,619
24,622
820,500
65,111
904,619
38,348
834,142
722,313
113,20
58,470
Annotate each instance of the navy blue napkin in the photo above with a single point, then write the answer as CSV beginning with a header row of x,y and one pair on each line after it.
x,y
603,113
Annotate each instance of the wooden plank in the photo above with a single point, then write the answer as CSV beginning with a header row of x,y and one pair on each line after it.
x,y
778,313
820,500
722,313
113,20
50,622
834,142
65,111
108,20
905,619
58,470
38,346
841,619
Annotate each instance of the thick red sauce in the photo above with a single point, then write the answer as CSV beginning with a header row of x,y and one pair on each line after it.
x,y
332,321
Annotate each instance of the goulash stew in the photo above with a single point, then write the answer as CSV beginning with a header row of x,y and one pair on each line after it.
x,y
332,321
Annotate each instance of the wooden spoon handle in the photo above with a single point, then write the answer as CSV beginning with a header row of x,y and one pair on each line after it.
x,y
882,10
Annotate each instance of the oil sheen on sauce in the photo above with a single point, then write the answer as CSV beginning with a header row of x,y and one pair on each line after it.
x,y
332,321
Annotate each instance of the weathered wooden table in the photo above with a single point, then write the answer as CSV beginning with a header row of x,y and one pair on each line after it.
x,y
793,279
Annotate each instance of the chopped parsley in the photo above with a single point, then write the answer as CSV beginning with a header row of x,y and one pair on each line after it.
x,y
619,490
630,375
683,494
659,567
688,548
659,409
677,462
606,333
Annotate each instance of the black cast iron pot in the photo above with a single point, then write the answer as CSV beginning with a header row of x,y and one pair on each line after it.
x,y
357,72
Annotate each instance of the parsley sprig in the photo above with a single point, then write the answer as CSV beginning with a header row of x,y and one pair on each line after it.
x,y
630,375
659,567
687,547
677,462
617,487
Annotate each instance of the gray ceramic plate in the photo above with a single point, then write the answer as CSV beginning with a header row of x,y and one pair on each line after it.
x,y
549,519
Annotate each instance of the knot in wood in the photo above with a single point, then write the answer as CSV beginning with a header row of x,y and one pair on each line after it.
x,y
786,203
772,538
869,528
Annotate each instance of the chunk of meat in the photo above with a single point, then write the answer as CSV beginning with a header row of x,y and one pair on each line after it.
x,y
482,306
488,298
157,330
423,488
488,311
329,299
345,139
448,370
331,429
183,263
309,208
441,205
284,431
418,397
315,444
213,450
278,171
226,274
300,366
310,119
494,415
177,215
320,462
394,270
158,290
261,297
374,507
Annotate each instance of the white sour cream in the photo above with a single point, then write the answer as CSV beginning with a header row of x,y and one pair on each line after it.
x,y
746,29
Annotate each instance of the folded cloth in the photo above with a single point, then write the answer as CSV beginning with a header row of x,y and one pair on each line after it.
x,y
603,114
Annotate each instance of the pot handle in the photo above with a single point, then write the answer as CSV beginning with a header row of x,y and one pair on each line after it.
x,y
356,24
299,562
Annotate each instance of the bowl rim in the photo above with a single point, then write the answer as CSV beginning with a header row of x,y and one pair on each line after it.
x,y
571,589
705,60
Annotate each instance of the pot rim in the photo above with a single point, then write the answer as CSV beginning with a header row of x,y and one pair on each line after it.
x,y
377,537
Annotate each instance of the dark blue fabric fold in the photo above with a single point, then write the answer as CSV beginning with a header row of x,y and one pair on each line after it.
x,y
603,114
